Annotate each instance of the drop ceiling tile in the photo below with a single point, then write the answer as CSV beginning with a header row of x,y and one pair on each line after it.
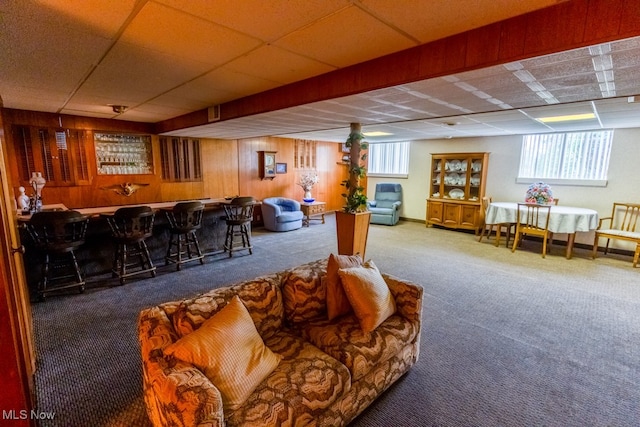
x,y
432,20
349,36
56,66
130,70
278,65
266,20
163,29
95,17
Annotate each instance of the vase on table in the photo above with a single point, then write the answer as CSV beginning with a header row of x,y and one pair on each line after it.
x,y
308,198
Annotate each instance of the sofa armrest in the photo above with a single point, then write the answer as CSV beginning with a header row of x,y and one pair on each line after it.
x,y
407,295
396,204
176,393
372,203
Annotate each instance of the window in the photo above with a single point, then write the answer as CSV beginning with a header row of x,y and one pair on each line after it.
x,y
575,158
389,159
180,159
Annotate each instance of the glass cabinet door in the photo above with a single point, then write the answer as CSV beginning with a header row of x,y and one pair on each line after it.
x,y
122,154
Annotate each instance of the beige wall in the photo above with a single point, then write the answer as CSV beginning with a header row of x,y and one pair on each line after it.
x,y
623,179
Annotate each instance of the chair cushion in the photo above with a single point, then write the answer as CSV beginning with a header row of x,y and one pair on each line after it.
x,y
289,216
337,301
382,211
230,352
368,294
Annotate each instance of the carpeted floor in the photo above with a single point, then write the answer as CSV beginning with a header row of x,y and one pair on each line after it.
x,y
509,339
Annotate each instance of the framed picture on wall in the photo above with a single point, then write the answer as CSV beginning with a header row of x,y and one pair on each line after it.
x,y
281,168
344,148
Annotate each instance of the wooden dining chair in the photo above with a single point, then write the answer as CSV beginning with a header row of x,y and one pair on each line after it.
x,y
533,220
488,228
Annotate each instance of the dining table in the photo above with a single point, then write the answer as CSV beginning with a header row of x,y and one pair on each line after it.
x,y
562,219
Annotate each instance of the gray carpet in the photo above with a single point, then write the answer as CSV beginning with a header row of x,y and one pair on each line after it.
x,y
509,339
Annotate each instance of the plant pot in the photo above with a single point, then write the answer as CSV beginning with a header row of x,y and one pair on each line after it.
x,y
352,229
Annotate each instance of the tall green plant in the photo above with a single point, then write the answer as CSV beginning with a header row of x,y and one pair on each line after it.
x,y
356,200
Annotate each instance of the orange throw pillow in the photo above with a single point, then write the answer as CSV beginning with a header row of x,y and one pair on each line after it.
x,y
230,352
368,294
337,301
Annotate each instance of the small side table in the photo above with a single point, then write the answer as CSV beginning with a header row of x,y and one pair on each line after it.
x,y
311,209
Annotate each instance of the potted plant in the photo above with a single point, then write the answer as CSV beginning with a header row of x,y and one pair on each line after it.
x,y
352,222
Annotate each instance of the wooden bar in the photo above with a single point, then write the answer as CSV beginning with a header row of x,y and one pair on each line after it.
x,y
96,255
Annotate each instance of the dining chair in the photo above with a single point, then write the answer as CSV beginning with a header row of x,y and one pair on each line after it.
x,y
488,228
533,220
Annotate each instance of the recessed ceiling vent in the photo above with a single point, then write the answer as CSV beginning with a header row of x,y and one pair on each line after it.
x,y
214,113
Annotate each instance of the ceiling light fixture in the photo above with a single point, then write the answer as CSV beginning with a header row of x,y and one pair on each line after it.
x,y
376,133
118,109
566,118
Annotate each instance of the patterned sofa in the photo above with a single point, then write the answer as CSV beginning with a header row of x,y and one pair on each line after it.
x,y
329,370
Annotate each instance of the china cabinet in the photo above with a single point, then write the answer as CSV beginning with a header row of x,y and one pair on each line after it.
x,y
457,185
123,154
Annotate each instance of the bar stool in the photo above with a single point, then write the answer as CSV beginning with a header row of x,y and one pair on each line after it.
x,y
184,219
239,214
57,235
130,227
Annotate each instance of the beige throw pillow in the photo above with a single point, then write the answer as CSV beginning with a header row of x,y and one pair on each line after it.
x,y
337,301
368,294
230,352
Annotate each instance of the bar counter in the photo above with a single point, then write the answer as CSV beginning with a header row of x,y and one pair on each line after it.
x,y
96,255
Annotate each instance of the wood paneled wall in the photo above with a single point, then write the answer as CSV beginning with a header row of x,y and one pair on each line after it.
x,y
330,171
229,167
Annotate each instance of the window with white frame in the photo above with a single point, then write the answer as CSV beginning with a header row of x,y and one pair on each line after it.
x,y
389,159
572,158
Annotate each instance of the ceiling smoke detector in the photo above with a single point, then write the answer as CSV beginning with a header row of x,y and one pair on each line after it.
x,y
118,109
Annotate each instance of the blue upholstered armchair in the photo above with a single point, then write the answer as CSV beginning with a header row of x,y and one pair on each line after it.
x,y
281,214
386,205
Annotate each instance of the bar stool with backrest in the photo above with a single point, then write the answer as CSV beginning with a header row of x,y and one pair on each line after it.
x,y
57,234
238,216
184,219
130,226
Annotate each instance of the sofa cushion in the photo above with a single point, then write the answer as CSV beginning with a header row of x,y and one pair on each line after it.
x,y
304,294
230,352
344,339
337,301
261,296
305,383
368,294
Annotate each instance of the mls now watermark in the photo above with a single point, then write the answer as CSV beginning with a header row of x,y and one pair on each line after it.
x,y
23,414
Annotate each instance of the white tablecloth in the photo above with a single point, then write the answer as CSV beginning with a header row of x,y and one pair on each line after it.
x,y
563,219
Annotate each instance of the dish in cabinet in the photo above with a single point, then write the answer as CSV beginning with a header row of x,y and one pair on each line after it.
x,y
456,193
